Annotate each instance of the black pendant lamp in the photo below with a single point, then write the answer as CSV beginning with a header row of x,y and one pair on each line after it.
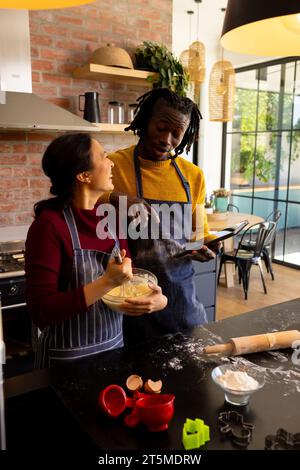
x,y
262,27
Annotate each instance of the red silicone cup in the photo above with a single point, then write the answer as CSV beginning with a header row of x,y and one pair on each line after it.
x,y
113,400
156,411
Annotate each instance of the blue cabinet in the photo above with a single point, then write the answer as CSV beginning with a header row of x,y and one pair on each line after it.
x,y
205,279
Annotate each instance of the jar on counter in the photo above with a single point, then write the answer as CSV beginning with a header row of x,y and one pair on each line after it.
x,y
131,110
115,112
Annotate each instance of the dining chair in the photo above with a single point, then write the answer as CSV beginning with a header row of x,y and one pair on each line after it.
x,y
245,259
232,208
267,249
274,216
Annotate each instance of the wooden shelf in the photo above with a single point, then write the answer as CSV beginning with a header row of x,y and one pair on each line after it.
x,y
112,128
113,74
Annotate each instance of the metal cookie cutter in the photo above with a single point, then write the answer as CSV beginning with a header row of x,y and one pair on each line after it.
x,y
232,425
194,434
282,440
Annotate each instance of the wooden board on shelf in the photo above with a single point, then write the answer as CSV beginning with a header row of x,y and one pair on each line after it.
x,y
115,74
111,128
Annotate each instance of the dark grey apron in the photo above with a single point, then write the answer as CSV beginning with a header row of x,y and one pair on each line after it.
x,y
175,276
96,330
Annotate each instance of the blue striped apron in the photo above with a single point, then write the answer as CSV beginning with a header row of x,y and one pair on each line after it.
x,y
175,276
96,330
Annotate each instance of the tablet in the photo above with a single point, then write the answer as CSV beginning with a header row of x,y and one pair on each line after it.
x,y
220,236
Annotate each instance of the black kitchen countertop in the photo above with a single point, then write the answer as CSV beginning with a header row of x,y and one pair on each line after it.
x,y
177,360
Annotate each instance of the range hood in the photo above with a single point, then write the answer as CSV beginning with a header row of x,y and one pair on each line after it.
x,y
19,108
27,111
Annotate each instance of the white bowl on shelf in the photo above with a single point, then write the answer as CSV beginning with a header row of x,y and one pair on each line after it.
x,y
233,396
138,287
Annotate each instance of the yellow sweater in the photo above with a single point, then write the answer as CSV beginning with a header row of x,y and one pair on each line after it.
x,y
161,181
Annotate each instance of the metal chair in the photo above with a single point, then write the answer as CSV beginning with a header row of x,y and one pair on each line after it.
x,y
267,248
245,259
232,208
274,216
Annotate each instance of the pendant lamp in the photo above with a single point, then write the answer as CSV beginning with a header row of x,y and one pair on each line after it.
x,y
262,27
41,4
193,60
221,91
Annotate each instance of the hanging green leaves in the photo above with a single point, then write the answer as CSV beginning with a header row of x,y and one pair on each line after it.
x,y
170,72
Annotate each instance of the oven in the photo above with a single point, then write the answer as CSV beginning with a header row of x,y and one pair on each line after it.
x,y
12,292
17,327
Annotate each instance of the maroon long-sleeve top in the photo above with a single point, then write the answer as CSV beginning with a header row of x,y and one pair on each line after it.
x,y
48,264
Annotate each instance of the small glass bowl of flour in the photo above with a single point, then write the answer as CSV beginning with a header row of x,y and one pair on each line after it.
x,y
238,382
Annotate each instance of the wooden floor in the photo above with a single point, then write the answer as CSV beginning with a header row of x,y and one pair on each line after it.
x,y
286,286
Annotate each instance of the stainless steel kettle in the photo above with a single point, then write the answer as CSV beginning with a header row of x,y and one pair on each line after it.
x,y
91,111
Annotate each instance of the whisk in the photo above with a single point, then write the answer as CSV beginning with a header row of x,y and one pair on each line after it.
x,y
116,253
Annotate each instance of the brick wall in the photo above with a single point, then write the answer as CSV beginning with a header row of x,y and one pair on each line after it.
x,y
62,40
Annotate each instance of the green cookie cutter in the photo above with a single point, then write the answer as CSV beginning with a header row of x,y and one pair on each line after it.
x,y
194,434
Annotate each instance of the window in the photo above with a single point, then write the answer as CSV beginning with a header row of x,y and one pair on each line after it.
x,y
262,149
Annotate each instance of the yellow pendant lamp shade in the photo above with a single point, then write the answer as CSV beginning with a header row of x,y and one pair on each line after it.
x,y
262,27
197,62
41,4
193,60
221,91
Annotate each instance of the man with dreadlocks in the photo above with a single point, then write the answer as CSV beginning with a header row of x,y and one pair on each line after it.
x,y
152,171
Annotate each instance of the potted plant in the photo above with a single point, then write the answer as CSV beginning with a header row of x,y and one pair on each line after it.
x,y
221,199
169,71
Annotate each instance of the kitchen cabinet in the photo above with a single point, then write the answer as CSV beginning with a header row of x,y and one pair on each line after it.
x,y
205,279
38,405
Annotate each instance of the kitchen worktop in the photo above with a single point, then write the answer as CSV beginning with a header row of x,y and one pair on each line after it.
x,y
177,360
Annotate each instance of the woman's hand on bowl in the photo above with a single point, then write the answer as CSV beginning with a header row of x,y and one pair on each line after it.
x,y
117,274
152,302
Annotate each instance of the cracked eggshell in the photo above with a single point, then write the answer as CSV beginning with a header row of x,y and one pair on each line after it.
x,y
153,387
134,383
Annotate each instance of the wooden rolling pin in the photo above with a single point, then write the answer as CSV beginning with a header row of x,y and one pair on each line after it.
x,y
256,343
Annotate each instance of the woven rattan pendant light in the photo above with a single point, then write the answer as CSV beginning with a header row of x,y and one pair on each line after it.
x,y
221,91
193,59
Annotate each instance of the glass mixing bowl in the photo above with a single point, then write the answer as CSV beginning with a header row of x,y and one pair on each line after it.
x,y
137,287
238,397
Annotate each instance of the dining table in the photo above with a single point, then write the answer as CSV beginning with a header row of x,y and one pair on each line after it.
x,y
219,221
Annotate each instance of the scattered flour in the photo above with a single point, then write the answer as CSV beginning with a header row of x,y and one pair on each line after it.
x,y
180,349
176,363
279,375
280,357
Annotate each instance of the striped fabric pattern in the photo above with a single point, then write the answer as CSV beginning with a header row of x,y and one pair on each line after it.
x,y
96,330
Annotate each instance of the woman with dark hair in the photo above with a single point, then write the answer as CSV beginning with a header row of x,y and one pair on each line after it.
x,y
166,124
68,268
